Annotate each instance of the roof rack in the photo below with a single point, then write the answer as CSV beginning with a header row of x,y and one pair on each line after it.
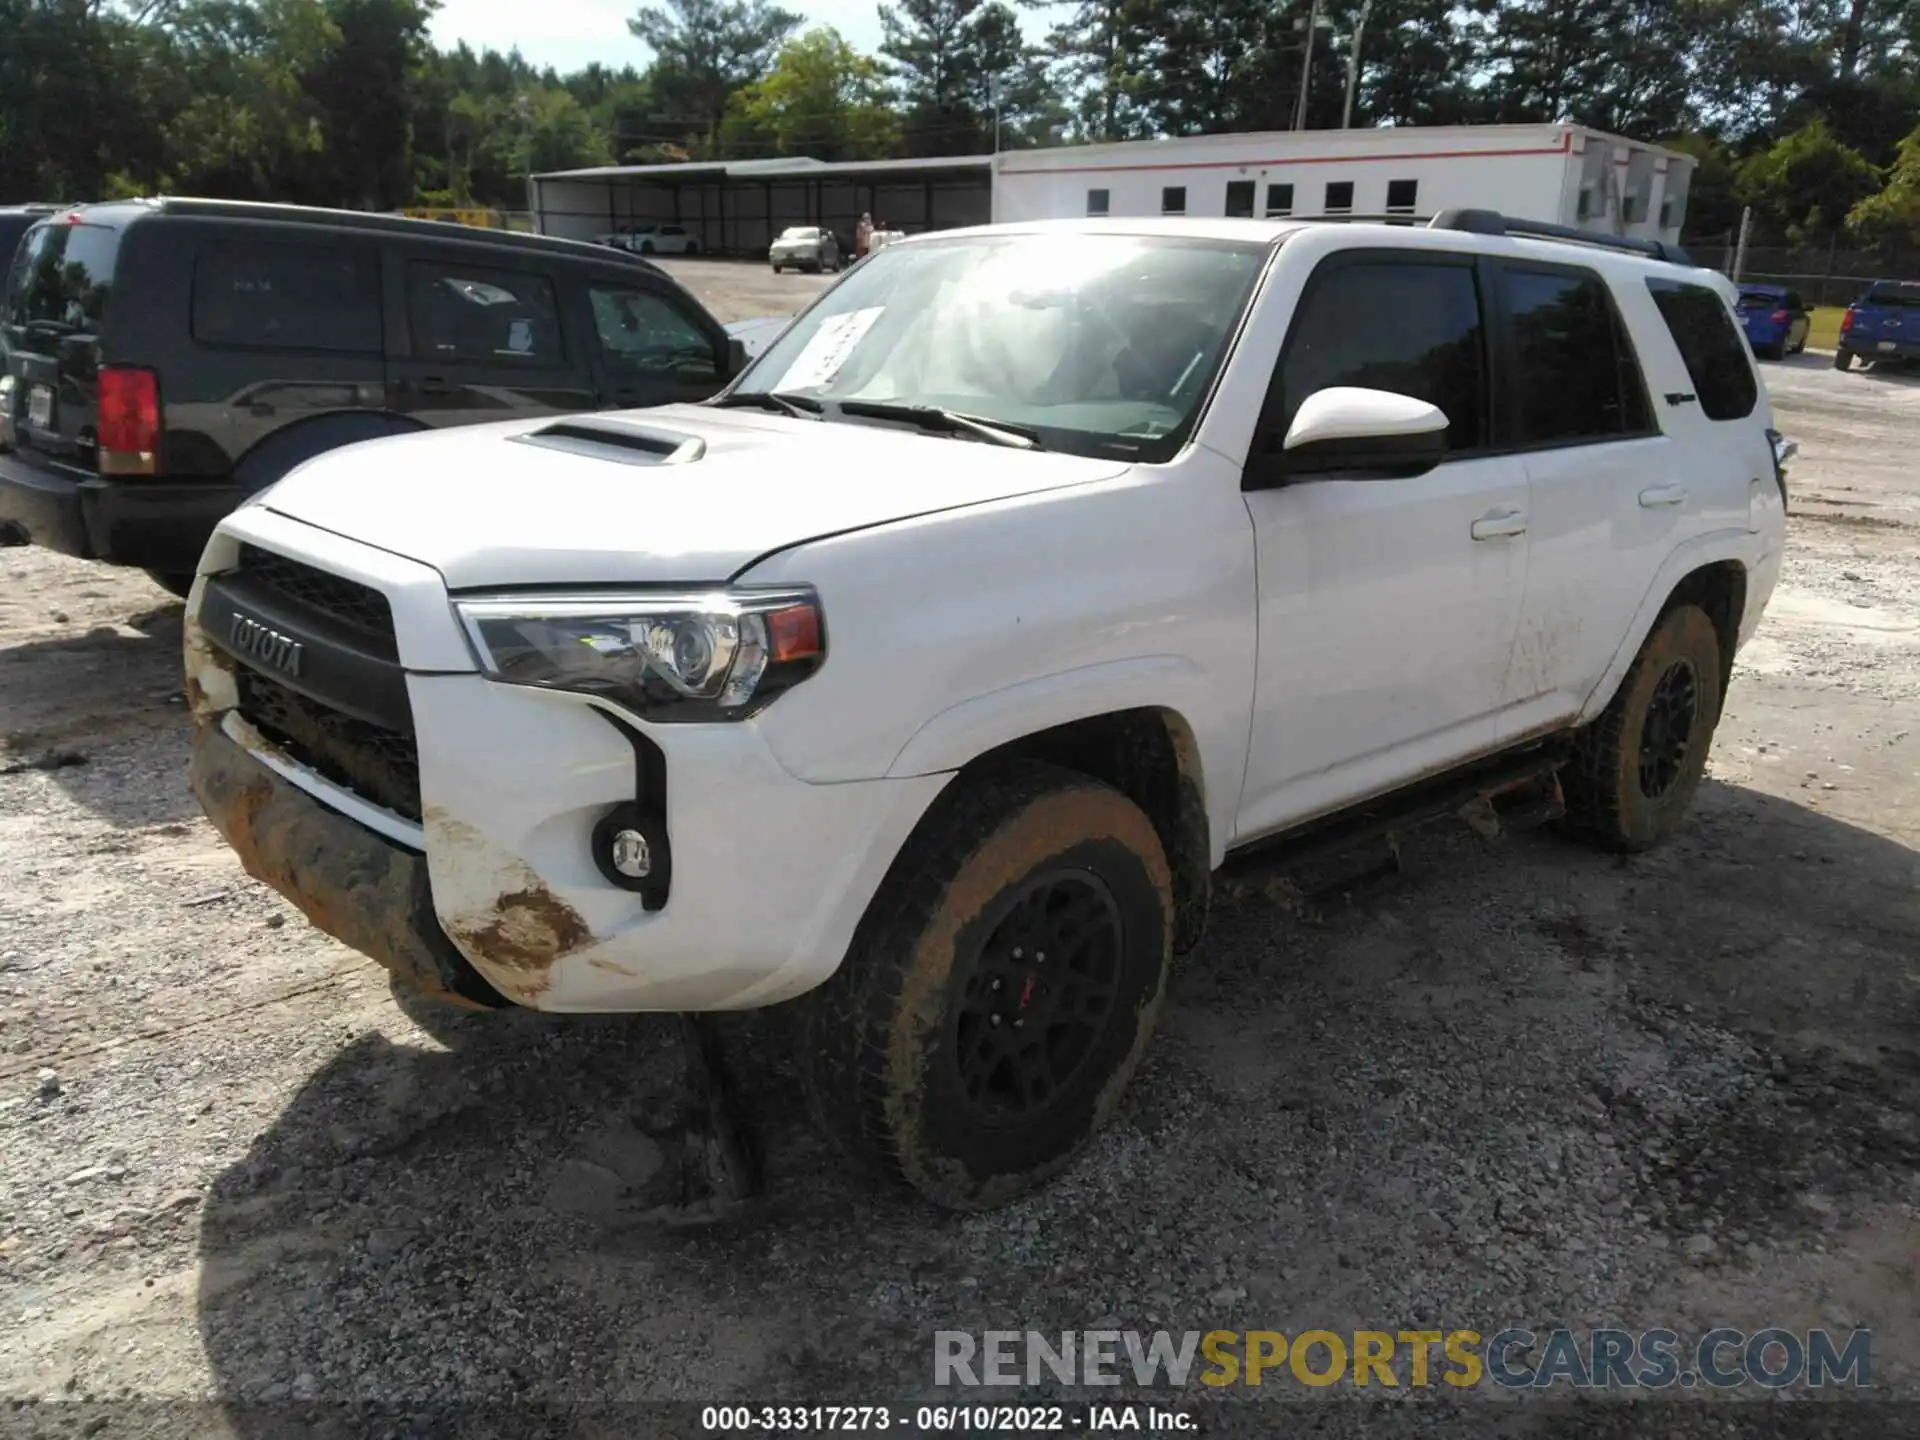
x,y
1492,222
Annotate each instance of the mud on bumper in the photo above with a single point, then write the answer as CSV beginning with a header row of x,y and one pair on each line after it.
x,y
359,887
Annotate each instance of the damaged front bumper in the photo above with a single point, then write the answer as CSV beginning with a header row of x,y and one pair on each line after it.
x,y
357,886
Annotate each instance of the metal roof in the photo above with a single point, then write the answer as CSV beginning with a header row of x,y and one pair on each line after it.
x,y
792,167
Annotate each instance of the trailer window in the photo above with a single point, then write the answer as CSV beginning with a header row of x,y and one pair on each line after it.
x,y
1339,197
1097,202
1279,200
1173,200
1402,196
1240,199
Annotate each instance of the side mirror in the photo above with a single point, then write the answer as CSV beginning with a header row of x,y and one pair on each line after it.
x,y
1351,433
736,356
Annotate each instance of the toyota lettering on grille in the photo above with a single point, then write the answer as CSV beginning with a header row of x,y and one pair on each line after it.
x,y
264,643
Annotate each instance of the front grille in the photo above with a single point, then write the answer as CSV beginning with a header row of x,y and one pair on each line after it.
x,y
360,608
379,765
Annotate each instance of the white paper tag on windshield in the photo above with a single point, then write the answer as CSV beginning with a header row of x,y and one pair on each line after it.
x,y
829,348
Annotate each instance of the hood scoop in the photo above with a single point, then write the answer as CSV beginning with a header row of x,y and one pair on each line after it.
x,y
602,437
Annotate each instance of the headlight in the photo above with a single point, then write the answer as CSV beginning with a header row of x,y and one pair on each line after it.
x,y
722,655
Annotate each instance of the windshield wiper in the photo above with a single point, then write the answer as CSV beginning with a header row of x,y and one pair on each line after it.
x,y
803,407
932,417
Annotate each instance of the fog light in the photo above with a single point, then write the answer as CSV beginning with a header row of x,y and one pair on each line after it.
x,y
630,848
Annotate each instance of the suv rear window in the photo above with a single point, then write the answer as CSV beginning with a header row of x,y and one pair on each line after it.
x,y
61,278
1716,356
293,297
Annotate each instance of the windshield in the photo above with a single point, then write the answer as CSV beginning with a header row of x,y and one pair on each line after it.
x,y
799,233
1902,297
1760,300
1100,344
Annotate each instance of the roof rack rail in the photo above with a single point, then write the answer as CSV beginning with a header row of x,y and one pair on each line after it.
x,y
1492,222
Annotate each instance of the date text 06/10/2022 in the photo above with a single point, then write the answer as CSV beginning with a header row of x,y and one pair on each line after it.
x,y
947,1419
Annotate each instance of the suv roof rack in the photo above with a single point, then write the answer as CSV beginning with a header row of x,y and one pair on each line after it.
x,y
370,220
1492,222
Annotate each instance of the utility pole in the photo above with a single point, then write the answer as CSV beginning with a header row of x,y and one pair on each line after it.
x,y
1306,68
1740,250
1353,64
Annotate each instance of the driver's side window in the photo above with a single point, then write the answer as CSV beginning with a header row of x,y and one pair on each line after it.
x,y
645,333
1408,325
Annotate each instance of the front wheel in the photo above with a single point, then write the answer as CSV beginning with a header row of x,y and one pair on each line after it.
x,y
999,992
1634,770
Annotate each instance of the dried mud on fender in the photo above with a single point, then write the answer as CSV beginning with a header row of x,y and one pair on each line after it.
x,y
525,928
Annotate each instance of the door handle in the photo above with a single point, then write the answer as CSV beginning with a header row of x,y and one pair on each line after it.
x,y
1657,495
1498,524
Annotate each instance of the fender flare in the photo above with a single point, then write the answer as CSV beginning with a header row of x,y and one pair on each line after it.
x,y
280,452
965,731
1713,548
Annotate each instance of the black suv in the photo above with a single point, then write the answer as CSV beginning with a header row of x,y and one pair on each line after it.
x,y
14,222
165,359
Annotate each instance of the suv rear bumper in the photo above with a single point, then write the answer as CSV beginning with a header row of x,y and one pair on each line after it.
x,y
152,524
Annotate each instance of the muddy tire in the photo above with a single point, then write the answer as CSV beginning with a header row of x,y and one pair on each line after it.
x,y
174,582
1000,991
1635,769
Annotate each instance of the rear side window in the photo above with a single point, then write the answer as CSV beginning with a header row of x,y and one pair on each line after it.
x,y
271,296
495,317
1716,356
1411,328
62,277
1575,377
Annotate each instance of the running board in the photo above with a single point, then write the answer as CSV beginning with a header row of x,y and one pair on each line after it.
x,y
1511,792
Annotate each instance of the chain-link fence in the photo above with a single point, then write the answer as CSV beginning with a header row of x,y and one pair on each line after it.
x,y
1829,274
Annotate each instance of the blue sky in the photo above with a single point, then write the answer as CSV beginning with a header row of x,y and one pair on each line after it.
x,y
568,34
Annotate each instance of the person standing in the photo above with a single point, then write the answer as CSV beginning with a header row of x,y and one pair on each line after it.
x,y
862,234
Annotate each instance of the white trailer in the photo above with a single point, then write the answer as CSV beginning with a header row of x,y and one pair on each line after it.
x,y
1562,174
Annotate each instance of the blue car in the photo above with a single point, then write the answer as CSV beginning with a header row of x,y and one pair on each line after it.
x,y
1776,320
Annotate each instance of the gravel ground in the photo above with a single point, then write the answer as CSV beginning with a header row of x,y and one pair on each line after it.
x,y
1518,1084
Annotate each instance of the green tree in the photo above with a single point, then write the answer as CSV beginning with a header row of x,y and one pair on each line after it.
x,y
954,62
1808,183
704,50
1892,217
822,98
1101,53
1713,192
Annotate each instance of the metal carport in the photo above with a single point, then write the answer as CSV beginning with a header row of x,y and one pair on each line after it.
x,y
737,207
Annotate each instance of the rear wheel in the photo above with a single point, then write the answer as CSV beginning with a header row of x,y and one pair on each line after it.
x,y
1635,769
1776,351
1843,359
1000,991
174,582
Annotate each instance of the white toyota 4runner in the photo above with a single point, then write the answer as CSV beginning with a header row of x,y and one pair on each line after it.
x,y
926,676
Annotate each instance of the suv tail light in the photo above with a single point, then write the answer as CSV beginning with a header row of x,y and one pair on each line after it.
x,y
128,422
1779,317
1846,321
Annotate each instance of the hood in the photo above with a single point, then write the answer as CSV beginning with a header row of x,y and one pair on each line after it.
x,y
757,335
499,505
